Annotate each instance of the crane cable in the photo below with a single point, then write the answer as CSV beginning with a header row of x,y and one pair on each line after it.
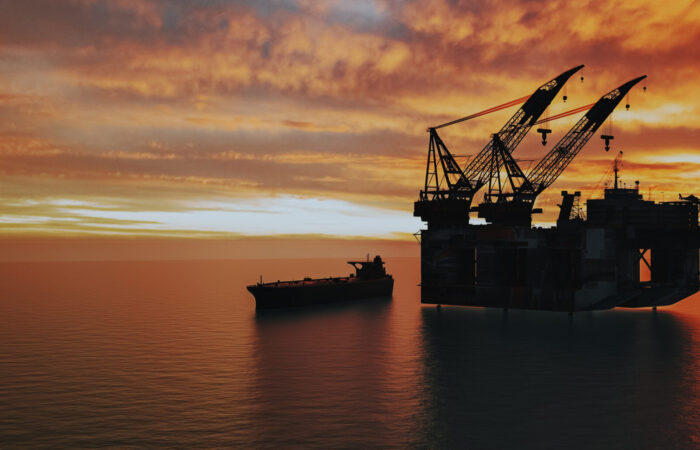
x,y
484,112
565,114
513,103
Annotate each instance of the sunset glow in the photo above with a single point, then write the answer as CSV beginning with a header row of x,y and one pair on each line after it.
x,y
295,117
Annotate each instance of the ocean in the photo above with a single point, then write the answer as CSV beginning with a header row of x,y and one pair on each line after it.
x,y
173,354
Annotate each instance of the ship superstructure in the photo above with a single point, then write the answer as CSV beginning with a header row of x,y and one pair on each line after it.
x,y
625,251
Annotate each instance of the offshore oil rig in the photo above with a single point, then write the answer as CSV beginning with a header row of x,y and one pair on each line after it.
x,y
586,262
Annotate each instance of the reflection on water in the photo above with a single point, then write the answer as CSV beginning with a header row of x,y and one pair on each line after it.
x,y
324,375
173,354
621,379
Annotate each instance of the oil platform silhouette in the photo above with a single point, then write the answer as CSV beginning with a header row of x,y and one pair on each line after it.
x,y
586,262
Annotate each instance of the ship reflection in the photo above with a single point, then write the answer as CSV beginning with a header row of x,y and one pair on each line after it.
x,y
616,379
320,375
395,374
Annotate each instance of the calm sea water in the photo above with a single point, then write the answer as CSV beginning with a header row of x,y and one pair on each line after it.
x,y
173,354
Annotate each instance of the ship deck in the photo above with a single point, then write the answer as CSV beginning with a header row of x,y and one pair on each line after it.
x,y
308,282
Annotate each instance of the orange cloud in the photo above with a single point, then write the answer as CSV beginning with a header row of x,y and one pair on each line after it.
x,y
123,99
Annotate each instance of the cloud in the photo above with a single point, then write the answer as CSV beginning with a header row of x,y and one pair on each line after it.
x,y
158,100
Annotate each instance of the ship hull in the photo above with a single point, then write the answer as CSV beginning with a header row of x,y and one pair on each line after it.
x,y
271,296
628,253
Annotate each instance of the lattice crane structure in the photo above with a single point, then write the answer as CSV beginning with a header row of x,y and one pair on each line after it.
x,y
449,189
512,203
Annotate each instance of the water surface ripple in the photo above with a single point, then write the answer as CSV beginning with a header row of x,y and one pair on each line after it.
x,y
166,354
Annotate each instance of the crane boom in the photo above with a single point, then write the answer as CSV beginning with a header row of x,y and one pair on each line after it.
x,y
513,132
556,161
515,208
446,199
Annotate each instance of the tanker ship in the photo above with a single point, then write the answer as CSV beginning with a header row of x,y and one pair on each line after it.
x,y
370,280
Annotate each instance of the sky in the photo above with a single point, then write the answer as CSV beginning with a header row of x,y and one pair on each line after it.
x,y
307,118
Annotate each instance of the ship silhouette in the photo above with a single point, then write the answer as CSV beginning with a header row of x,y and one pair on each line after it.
x,y
588,261
370,280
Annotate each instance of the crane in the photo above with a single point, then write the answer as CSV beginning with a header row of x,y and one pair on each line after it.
x,y
449,188
514,207
515,130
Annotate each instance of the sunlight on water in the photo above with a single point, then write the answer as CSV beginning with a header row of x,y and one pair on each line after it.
x,y
174,354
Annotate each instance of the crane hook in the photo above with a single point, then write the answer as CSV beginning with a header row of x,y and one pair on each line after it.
x,y
544,132
607,138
